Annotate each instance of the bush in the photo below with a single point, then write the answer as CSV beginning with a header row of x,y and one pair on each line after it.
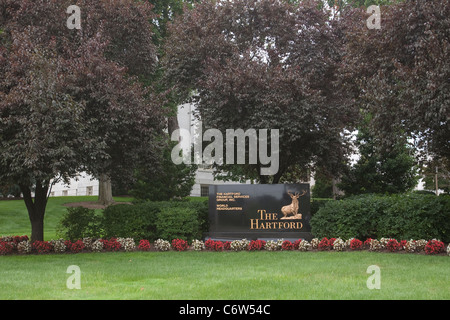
x,y
393,245
356,244
324,244
198,245
179,245
111,244
42,247
77,246
6,248
153,220
144,245
80,223
178,223
287,245
162,245
434,247
408,216
256,245
135,221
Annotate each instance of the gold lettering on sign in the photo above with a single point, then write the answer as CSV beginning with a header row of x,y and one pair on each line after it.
x,y
266,221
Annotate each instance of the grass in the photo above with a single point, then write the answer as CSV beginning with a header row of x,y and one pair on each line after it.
x,y
290,275
225,275
14,217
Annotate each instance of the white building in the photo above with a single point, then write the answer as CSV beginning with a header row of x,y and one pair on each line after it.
x,y
204,176
83,185
86,185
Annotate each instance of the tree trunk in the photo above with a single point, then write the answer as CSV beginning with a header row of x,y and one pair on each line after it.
x,y
105,190
172,123
36,209
334,187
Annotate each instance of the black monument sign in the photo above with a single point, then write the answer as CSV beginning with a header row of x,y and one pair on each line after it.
x,y
259,211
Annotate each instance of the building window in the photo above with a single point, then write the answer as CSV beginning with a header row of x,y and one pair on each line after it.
x,y
89,191
204,190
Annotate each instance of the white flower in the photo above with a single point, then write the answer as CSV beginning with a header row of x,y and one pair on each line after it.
x,y
162,245
24,247
58,245
338,244
239,245
198,245
127,244
97,246
304,245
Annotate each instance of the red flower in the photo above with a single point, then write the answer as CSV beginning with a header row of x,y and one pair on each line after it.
x,y
5,247
111,244
434,247
324,244
256,245
287,245
77,246
144,245
218,246
355,244
209,244
179,244
393,245
42,246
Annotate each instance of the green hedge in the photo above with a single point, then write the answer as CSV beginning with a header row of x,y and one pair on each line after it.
x,y
152,220
78,223
406,216
186,220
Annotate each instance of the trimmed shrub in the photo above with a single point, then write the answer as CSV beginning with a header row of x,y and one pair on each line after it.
x,y
177,223
406,216
134,221
78,223
153,220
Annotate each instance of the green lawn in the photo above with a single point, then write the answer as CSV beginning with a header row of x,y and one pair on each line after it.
x,y
211,275
14,217
225,275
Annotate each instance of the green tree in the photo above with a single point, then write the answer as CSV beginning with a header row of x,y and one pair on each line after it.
x,y
380,171
400,73
263,65
70,100
166,182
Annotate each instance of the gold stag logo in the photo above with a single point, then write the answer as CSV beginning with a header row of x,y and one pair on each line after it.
x,y
292,209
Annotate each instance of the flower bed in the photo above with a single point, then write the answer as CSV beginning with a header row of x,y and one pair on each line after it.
x,y
22,245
